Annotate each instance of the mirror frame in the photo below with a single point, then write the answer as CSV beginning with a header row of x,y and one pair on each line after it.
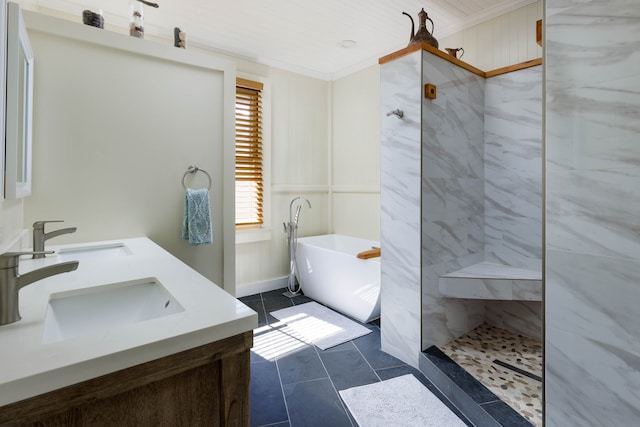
x,y
19,120
3,89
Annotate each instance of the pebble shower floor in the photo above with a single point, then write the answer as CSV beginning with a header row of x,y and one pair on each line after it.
x,y
490,354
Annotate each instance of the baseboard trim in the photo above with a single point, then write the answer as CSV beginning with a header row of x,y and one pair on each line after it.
x,y
266,286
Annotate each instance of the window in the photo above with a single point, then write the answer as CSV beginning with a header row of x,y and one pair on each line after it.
x,y
249,154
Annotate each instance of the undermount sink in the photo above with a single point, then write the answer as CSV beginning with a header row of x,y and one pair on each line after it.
x,y
85,253
84,311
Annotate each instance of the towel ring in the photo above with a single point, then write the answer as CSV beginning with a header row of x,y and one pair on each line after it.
x,y
194,169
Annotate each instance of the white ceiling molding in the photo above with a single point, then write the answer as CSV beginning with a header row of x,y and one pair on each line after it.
x,y
302,36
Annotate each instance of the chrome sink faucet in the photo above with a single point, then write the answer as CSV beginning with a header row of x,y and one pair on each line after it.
x,y
39,236
11,282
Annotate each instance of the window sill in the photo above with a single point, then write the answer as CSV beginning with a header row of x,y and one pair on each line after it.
x,y
253,235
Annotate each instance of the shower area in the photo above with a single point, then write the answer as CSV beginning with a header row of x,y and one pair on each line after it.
x,y
461,230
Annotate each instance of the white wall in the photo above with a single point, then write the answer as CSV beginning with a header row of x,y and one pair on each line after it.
x,y
10,223
503,41
300,137
300,109
299,166
355,155
117,122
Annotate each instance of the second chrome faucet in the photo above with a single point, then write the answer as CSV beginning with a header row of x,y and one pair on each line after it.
x,y
39,236
11,282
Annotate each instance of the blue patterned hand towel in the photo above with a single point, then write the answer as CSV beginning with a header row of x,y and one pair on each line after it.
x,y
196,225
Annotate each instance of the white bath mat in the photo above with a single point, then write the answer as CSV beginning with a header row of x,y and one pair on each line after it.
x,y
401,401
320,325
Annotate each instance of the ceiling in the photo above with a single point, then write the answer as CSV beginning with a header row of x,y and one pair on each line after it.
x,y
303,36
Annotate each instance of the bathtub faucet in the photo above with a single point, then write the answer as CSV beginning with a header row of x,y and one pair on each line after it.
x,y
292,234
293,219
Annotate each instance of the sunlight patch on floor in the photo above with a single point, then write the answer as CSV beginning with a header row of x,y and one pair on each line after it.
x,y
273,341
290,334
310,327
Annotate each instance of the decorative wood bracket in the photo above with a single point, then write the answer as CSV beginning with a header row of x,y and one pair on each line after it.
x,y
430,91
539,32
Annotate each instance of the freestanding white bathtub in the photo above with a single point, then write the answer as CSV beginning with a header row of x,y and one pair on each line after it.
x,y
330,273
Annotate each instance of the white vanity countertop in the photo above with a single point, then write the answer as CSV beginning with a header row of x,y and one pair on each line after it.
x,y
29,368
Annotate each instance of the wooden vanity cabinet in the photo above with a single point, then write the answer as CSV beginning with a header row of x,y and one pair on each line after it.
x,y
204,386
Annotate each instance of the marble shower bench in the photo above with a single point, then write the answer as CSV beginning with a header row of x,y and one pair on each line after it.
x,y
487,280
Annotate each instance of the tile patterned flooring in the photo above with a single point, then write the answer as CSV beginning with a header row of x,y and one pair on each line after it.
x,y
296,384
487,352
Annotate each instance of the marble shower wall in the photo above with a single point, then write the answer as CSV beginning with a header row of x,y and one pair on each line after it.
x,y
513,168
513,188
592,308
450,200
522,317
432,198
452,194
400,207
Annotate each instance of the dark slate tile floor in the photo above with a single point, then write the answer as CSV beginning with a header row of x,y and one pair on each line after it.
x,y
296,384
478,397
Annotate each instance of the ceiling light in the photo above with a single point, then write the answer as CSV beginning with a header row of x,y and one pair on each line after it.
x,y
347,44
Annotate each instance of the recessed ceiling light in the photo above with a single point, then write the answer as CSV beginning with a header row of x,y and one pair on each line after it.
x,y
347,43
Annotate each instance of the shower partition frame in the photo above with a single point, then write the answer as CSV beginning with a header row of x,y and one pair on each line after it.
x,y
442,208
434,199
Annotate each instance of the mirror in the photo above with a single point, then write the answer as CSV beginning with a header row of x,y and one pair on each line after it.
x,y
19,106
3,88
